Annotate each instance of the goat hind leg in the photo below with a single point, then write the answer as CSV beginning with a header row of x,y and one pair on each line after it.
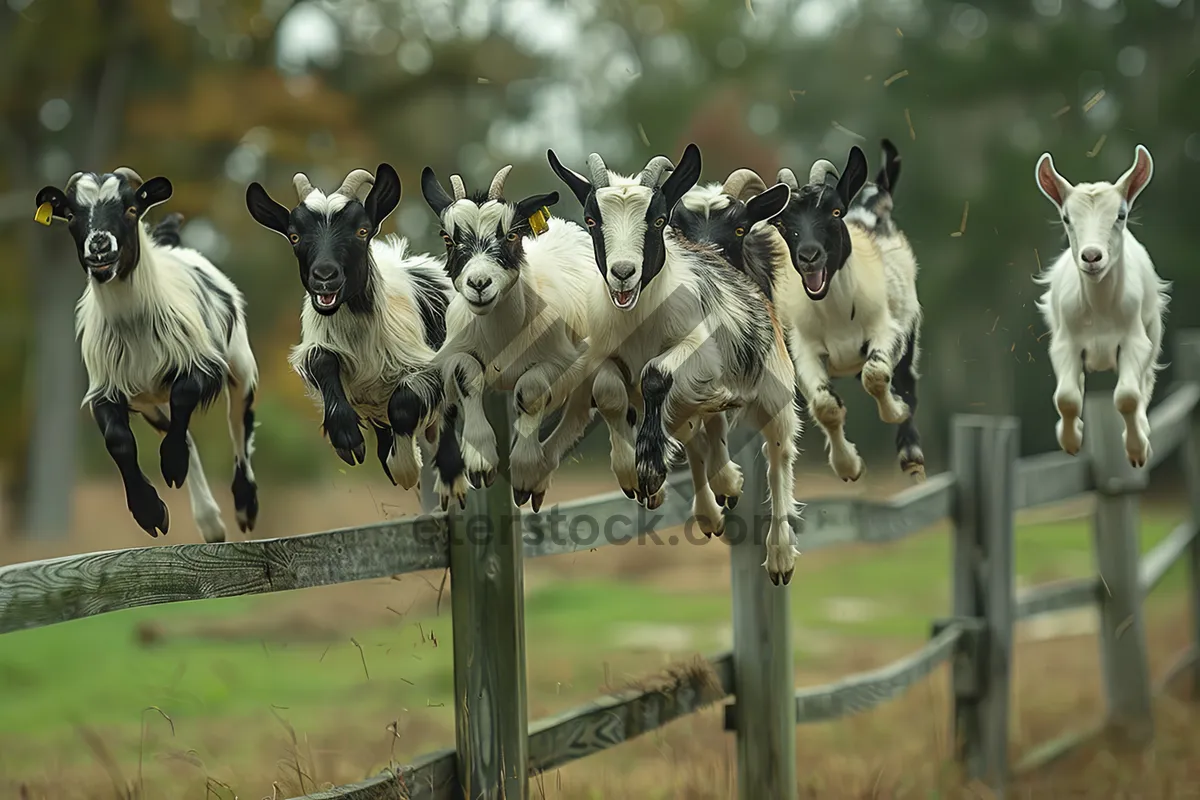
x,y
726,479
1135,353
241,434
780,432
1068,394
148,509
613,400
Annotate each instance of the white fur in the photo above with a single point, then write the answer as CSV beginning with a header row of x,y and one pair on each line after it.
x,y
88,192
328,205
1114,305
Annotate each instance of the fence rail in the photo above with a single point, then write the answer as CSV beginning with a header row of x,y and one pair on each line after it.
x,y
980,496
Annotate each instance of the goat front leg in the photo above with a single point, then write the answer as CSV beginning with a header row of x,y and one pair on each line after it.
x,y
411,409
726,477
188,391
706,508
611,393
205,511
826,409
450,474
149,511
1067,363
908,437
384,439
877,373
323,369
1135,353
464,386
781,428
530,468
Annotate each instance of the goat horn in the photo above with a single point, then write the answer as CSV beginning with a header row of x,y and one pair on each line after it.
x,y
303,185
128,174
599,171
460,190
743,181
654,170
821,169
789,177
496,190
354,182
71,181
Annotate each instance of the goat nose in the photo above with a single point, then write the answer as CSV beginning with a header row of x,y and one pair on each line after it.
x,y
809,253
324,272
101,244
623,271
479,284
1091,254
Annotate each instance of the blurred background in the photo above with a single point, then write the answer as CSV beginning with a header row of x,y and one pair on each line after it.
x,y
217,94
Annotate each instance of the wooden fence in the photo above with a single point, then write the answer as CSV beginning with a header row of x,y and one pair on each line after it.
x,y
497,750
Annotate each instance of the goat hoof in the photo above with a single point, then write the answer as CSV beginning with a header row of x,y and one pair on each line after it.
x,y
732,501
787,576
149,511
445,503
535,501
388,472
520,497
721,499
774,578
475,479
655,500
360,452
489,477
173,456
629,493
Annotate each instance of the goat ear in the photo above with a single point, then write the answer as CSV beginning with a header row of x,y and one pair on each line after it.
x,y
384,195
580,186
853,176
153,192
265,211
1138,176
1054,186
530,205
889,173
683,177
768,204
436,196
57,201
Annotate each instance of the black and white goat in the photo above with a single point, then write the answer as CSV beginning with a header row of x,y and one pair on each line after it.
x,y
517,323
373,318
162,333
847,294
699,338
1104,303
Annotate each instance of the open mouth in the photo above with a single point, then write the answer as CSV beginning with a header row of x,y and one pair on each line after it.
x,y
814,281
626,298
101,271
325,300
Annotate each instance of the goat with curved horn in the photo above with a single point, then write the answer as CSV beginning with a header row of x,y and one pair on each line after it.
x,y
71,181
128,174
459,188
655,169
496,190
355,181
788,177
303,185
743,184
821,170
599,171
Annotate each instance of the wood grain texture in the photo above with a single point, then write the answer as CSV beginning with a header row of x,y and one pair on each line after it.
x,y
487,581
617,718
1051,478
1058,596
763,666
1187,363
1155,564
984,456
866,690
60,589
1115,529
1169,422
430,777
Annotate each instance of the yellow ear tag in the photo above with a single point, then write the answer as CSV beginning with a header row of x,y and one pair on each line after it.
x,y
44,213
540,221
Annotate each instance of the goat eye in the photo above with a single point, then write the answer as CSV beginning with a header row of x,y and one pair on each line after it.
x,y
446,238
512,237
740,232
364,232
591,223
658,223
132,211
294,238
1121,217
1066,220
837,212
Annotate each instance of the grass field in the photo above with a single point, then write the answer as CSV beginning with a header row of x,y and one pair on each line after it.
x,y
257,697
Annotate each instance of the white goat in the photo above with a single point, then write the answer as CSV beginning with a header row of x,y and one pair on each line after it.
x,y
692,332
1105,303
162,332
516,324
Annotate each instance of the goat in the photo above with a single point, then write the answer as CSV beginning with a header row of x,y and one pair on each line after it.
x,y
373,318
846,292
162,332
519,318
1104,302
691,330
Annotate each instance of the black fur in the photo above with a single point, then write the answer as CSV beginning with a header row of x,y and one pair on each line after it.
x,y
215,294
189,391
432,302
341,424
448,459
112,417
904,383
245,492
652,443
167,232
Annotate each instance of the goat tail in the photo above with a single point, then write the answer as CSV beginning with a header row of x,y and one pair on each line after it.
x,y
872,207
167,233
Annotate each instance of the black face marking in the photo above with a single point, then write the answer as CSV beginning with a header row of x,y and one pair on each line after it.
x,y
104,223
332,250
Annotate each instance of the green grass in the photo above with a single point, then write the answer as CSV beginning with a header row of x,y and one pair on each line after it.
x,y
94,671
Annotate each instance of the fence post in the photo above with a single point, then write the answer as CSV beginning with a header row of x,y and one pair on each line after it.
x,y
764,714
487,602
984,456
1187,369
1115,529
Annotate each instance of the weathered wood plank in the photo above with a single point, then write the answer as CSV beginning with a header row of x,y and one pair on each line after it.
x,y
1169,422
1123,655
1057,596
984,456
617,718
487,601
911,511
866,690
763,669
430,777
1156,563
1187,362
60,589
1050,478
1045,754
